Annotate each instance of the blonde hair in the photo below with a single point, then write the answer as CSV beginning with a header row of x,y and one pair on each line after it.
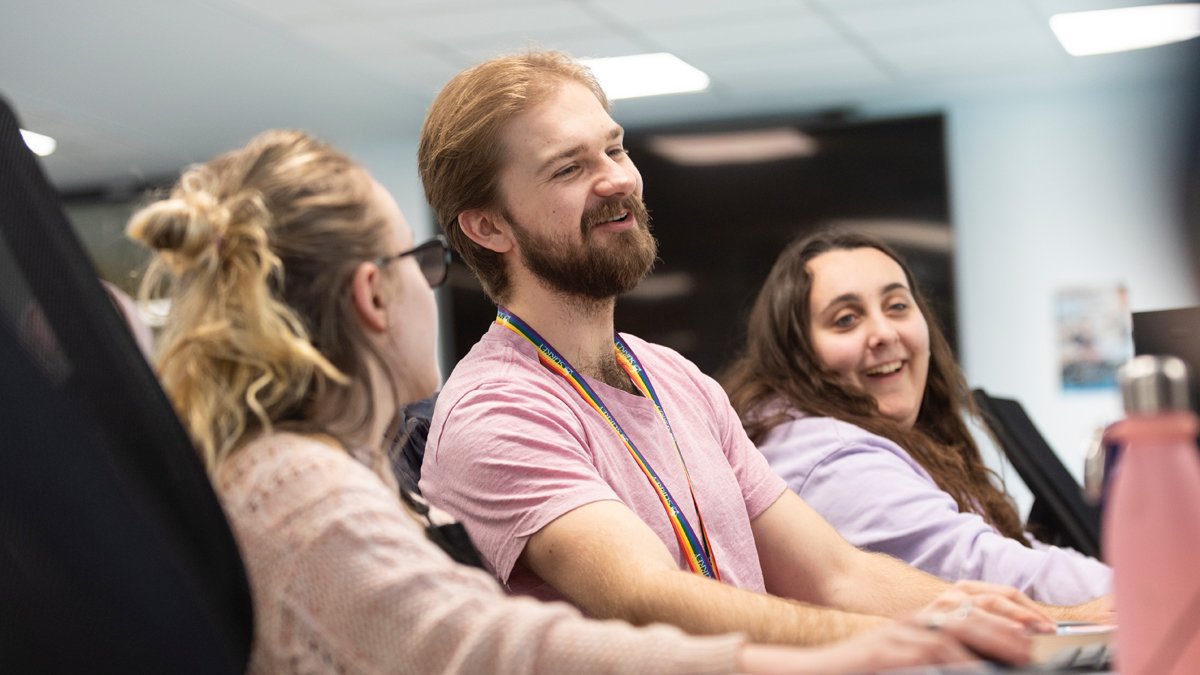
x,y
460,155
254,250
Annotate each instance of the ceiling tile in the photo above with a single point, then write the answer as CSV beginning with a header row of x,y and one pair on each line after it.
x,y
790,60
970,51
931,17
753,32
597,41
642,13
1048,8
286,11
464,25
358,36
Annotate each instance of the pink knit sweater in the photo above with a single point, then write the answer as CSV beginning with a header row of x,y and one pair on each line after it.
x,y
344,581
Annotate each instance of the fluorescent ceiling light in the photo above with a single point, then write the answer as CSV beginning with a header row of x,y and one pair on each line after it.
x,y
1117,30
40,145
927,235
738,147
646,75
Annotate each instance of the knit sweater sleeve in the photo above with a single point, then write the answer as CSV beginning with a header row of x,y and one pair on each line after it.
x,y
345,581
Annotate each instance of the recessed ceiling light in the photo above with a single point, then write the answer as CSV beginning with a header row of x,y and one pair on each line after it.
x,y
1117,30
40,144
646,75
737,147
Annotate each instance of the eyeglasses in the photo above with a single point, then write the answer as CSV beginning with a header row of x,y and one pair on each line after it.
x,y
433,257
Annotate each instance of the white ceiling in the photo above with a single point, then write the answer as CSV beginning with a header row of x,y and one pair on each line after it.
x,y
134,89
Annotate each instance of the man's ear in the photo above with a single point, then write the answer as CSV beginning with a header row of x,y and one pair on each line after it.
x,y
486,229
366,297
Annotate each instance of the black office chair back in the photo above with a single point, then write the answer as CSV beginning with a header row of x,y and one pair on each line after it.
x,y
115,555
1060,515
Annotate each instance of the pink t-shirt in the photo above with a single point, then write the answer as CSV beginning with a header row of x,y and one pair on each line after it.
x,y
512,447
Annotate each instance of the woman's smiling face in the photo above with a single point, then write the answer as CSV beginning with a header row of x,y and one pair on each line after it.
x,y
866,328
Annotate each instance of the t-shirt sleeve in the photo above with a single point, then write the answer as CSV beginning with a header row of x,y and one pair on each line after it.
x,y
508,460
877,499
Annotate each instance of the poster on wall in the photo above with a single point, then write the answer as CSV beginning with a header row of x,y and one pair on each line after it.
x,y
1094,336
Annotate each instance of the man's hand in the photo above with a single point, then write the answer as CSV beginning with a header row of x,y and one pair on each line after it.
x,y
927,638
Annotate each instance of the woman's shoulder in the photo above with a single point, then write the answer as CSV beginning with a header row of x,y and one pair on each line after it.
x,y
818,430
280,451
818,438
282,472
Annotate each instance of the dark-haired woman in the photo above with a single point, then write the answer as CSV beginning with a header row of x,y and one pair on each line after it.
x,y
853,395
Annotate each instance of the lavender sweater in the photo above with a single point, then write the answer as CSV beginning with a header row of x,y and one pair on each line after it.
x,y
880,499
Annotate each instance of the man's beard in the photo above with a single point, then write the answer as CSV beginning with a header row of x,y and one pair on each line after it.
x,y
592,269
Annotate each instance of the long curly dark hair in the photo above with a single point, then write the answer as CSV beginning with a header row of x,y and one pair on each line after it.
x,y
779,364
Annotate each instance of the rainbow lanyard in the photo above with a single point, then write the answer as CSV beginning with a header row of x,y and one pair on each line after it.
x,y
696,549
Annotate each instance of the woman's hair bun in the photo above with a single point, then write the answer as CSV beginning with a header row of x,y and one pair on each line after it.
x,y
188,223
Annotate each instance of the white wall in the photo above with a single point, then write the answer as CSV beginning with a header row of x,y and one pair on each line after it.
x,y
393,162
1055,189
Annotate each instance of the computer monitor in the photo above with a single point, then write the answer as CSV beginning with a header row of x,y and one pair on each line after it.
x,y
1174,332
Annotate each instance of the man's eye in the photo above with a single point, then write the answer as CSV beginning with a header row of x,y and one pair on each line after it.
x,y
566,171
618,152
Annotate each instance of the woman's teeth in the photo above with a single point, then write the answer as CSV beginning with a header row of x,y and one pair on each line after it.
x,y
885,369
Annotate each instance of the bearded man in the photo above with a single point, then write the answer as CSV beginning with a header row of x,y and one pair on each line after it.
x,y
591,465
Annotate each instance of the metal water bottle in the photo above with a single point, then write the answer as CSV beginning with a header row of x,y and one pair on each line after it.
x,y
1152,521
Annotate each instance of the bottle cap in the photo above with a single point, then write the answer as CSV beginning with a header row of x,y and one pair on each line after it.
x,y
1151,384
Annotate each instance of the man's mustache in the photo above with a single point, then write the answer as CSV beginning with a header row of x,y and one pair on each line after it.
x,y
611,209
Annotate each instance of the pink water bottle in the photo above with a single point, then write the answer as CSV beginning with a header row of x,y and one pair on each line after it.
x,y
1152,521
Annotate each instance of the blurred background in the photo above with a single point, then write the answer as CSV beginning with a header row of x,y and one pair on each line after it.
x,y
1008,170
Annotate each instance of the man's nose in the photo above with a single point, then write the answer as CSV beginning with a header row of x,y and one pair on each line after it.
x,y
616,180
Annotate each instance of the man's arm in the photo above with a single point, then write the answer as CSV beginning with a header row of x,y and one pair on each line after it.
x,y
1099,610
606,560
804,558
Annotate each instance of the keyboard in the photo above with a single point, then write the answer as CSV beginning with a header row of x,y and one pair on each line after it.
x,y
1093,657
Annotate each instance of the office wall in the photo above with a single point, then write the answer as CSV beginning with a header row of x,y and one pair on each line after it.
x,y
393,162
1055,189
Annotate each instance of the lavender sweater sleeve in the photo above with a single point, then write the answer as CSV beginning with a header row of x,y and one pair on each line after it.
x,y
880,499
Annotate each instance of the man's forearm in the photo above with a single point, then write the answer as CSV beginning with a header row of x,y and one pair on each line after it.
x,y
1099,610
703,606
890,587
874,583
